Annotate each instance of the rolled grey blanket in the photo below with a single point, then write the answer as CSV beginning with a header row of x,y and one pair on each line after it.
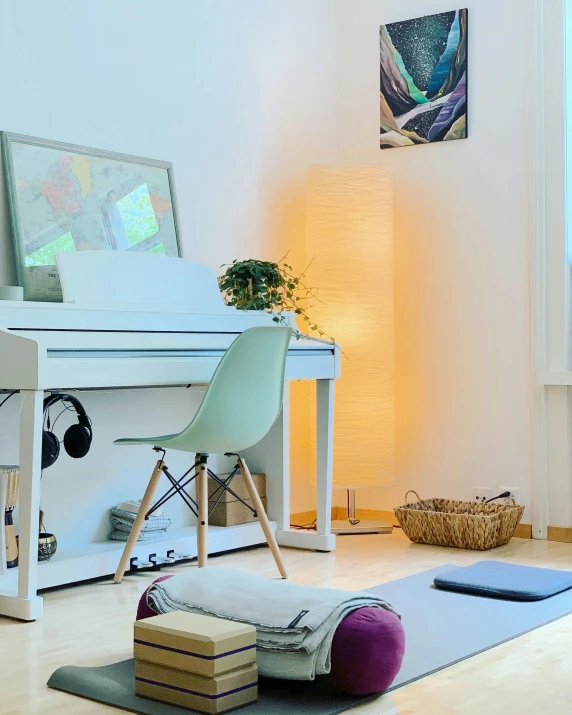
x,y
295,624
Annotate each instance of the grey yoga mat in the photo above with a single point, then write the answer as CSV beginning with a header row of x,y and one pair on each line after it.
x,y
442,628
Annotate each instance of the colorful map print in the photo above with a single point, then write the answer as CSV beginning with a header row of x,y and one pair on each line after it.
x,y
67,201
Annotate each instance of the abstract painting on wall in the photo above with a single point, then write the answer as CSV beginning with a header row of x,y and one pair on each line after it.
x,y
423,80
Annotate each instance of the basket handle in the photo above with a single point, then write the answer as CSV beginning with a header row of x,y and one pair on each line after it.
x,y
411,491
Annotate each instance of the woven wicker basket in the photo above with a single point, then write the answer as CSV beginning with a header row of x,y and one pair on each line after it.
x,y
464,525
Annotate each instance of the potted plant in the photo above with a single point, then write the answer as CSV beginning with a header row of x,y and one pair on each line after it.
x,y
264,285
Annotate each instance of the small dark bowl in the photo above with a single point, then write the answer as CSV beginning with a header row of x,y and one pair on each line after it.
x,y
47,546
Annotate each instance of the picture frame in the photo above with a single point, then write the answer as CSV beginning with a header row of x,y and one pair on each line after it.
x,y
65,197
424,76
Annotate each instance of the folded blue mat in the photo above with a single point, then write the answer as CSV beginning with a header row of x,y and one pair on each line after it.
x,y
509,581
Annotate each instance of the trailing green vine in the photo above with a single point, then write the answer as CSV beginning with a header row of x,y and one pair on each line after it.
x,y
264,285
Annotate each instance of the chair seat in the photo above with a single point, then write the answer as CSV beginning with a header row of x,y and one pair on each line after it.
x,y
167,441
197,438
155,441
200,444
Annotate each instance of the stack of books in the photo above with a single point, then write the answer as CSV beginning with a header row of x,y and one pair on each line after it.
x,y
196,662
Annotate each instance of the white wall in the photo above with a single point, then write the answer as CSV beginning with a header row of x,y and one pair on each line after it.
x,y
239,96
461,253
242,97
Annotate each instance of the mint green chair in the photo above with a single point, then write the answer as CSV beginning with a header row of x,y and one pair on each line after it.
x,y
243,400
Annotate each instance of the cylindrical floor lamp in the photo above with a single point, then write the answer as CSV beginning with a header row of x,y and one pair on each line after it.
x,y
350,239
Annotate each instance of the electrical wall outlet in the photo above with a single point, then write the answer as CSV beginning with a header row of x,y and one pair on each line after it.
x,y
481,494
514,494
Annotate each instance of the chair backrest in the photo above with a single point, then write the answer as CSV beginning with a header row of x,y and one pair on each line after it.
x,y
244,397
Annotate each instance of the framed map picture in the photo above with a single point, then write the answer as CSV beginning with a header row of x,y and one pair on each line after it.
x,y
423,78
71,198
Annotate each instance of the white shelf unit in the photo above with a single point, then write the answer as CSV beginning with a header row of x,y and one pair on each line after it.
x,y
555,378
89,561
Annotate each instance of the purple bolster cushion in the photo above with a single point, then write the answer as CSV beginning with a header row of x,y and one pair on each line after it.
x,y
367,650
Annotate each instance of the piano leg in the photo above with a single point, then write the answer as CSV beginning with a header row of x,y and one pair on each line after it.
x,y
322,539
324,449
27,605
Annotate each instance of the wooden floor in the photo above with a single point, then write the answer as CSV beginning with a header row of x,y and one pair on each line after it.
x,y
92,625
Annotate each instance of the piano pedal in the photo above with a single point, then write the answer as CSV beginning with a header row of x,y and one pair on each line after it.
x,y
178,557
165,560
136,565
153,562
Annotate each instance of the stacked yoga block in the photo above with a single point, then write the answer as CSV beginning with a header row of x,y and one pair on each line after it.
x,y
196,662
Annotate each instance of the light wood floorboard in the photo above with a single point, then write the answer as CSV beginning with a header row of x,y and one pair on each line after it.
x,y
92,625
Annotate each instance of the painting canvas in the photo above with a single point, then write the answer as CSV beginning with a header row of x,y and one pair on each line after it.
x,y
423,78
70,198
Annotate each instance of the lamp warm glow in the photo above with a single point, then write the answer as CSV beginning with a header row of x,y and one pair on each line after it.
x,y
350,237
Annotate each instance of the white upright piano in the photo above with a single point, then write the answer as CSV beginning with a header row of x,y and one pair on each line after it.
x,y
134,320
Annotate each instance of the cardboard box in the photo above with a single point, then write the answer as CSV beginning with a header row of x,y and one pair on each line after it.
x,y
188,690
194,643
238,486
229,511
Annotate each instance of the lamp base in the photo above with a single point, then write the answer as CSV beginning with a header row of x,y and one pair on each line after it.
x,y
353,525
365,526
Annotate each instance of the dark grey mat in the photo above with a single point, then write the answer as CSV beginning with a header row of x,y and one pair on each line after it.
x,y
115,685
442,628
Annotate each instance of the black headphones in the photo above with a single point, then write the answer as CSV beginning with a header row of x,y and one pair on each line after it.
x,y
77,439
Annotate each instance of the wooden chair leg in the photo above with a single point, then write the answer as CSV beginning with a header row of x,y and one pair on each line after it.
x,y
203,512
264,523
139,520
